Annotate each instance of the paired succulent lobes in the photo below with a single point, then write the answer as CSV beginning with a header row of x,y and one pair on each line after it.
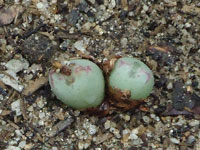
x,y
133,77
81,84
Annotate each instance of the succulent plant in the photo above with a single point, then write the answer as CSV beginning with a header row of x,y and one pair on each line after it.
x,y
80,84
130,79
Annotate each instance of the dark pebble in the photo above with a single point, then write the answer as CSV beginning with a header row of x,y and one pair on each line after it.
x,y
74,16
161,82
123,14
195,84
160,109
83,7
180,98
38,48
3,92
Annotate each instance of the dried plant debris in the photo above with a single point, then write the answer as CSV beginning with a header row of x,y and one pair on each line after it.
x,y
60,126
9,77
163,53
183,103
34,85
196,108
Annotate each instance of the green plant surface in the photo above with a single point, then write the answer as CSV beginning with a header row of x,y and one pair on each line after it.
x,y
133,75
83,88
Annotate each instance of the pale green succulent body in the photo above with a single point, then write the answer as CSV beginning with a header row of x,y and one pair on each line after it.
x,y
83,88
130,74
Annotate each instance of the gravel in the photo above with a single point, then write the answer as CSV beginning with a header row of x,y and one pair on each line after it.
x,y
162,34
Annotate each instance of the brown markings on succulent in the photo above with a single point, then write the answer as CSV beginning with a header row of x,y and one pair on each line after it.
x,y
122,99
147,74
108,65
79,69
66,70
122,63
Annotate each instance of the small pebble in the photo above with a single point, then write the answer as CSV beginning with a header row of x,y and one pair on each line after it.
x,y
54,148
107,124
87,26
76,113
13,148
40,103
40,5
112,4
146,119
125,131
15,106
92,129
115,132
92,1
127,118
137,142
193,123
30,108
64,45
41,115
1,97
187,25
18,132
80,145
11,80
191,139
133,134
22,144
124,42
80,45
17,65
145,8
170,85
174,140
